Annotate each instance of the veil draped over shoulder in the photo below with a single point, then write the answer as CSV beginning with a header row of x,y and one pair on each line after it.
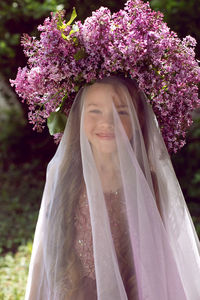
x,y
113,223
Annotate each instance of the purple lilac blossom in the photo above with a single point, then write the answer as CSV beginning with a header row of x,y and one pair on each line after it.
x,y
135,42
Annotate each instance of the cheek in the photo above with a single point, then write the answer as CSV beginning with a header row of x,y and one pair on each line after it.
x,y
128,128
89,125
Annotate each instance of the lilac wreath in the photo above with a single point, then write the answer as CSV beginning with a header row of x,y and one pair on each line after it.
x,y
135,42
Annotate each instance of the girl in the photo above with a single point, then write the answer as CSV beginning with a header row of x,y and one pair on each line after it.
x,y
113,222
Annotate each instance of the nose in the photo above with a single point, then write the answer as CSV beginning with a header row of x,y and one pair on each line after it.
x,y
107,119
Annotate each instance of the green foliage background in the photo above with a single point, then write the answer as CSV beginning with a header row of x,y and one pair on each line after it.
x,y
24,154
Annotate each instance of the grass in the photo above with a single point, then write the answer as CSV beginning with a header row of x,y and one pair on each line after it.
x,y
13,273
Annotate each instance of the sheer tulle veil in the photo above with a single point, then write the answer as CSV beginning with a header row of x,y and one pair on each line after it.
x,y
156,255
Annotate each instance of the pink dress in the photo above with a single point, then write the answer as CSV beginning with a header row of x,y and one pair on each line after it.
x,y
83,242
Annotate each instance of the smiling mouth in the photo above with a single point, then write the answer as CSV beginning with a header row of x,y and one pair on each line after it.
x,y
106,136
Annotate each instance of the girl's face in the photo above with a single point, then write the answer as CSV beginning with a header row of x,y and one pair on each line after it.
x,y
98,117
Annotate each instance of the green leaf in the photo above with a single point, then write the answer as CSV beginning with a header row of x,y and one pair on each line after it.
x,y
61,106
73,30
61,26
80,54
73,16
56,122
76,88
65,37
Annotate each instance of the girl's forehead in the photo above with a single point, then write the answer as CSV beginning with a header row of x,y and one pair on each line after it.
x,y
100,93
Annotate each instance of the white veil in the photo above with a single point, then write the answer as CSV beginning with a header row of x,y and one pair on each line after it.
x,y
144,244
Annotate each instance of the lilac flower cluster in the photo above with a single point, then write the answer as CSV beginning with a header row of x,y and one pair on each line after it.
x,y
134,41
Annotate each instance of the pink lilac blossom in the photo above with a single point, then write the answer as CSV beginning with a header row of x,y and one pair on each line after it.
x,y
135,42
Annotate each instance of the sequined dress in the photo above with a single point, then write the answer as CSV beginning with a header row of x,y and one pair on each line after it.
x,y
83,242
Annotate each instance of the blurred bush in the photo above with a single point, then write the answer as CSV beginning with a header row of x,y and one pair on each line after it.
x,y
20,195
22,177
187,164
187,168
182,16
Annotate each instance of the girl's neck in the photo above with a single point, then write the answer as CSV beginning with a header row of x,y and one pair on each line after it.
x,y
108,169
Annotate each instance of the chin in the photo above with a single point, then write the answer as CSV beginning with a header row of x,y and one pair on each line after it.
x,y
107,148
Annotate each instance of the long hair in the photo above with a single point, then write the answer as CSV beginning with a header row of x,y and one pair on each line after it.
x,y
65,200
66,270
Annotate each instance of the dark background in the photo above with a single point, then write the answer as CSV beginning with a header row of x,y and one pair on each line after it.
x,y
24,154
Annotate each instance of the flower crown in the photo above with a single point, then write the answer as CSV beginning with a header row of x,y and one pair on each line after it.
x,y
134,42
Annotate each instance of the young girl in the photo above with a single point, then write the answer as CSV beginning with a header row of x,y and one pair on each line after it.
x,y
113,222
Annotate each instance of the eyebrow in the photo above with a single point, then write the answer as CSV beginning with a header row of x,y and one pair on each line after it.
x,y
122,106
92,104
118,106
